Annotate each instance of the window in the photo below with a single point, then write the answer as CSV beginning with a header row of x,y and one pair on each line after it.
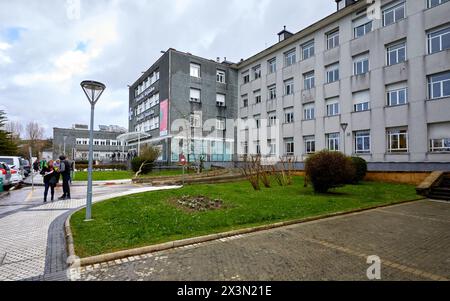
x,y
272,66
220,100
246,77
289,115
361,101
258,147
308,50
272,119
289,146
433,3
195,95
289,87
332,107
333,39
361,27
332,73
244,101
290,58
221,76
439,40
310,144
257,121
361,65
196,120
309,112
397,140
396,53
439,85
272,146
257,72
257,95
362,142
333,141
397,95
309,81
393,13
440,145
195,70
272,92
220,124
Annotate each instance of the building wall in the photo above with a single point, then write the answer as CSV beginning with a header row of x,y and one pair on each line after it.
x,y
417,115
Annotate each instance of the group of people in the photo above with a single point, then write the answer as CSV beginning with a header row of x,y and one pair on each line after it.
x,y
52,172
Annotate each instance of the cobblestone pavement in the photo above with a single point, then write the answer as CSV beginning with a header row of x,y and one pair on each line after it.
x,y
412,241
32,243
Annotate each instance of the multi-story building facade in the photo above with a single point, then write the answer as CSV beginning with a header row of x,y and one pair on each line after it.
x,y
371,80
181,104
74,143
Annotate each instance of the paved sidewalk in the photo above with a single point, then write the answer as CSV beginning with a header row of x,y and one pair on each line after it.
x,y
38,181
412,241
32,243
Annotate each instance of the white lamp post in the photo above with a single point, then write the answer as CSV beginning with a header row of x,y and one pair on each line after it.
x,y
93,91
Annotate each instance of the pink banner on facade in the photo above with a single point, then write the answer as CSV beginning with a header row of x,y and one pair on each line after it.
x,y
164,118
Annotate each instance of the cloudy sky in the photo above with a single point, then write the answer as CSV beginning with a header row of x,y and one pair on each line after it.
x,y
48,47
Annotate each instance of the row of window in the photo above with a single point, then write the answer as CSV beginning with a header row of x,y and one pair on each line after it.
x,y
195,121
397,94
99,142
146,83
147,105
196,71
437,40
148,125
195,96
397,142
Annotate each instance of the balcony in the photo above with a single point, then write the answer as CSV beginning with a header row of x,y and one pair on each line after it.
x,y
396,73
361,82
309,95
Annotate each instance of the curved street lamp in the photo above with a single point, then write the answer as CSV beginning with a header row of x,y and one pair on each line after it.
x,y
93,91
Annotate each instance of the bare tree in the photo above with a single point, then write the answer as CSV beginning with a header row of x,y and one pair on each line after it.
x,y
34,133
15,128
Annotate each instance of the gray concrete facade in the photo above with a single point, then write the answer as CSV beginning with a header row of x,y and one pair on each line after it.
x,y
174,84
423,118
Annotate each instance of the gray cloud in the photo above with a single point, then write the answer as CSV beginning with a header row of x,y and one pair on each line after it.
x,y
41,70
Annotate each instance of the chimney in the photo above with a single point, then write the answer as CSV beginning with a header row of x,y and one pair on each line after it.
x,y
341,4
284,34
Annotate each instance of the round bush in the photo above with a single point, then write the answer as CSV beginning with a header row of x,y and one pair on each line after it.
x,y
360,166
137,162
327,170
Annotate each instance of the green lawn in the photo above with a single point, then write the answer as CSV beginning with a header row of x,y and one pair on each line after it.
x,y
122,175
149,218
104,175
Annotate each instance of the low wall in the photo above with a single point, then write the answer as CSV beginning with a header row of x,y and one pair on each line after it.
x,y
413,178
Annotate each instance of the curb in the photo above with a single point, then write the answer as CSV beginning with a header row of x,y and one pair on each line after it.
x,y
196,240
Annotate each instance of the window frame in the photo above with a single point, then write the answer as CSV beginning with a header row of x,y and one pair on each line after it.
x,y
272,92
397,91
334,71
431,84
446,31
289,87
333,109
393,8
440,149
429,4
290,57
395,48
195,66
397,132
309,144
309,48
366,137
333,141
289,146
309,80
331,37
357,61
309,112
195,100
272,66
220,74
366,30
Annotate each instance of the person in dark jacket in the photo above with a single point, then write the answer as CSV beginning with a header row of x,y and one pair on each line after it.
x,y
49,174
64,170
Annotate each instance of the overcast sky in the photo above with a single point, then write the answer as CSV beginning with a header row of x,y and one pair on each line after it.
x,y
47,48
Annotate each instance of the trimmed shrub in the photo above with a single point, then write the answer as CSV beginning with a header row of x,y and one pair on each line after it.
x,y
327,170
360,169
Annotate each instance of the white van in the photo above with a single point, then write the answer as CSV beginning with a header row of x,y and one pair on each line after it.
x,y
14,163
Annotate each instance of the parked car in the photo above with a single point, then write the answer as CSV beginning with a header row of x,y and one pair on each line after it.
x,y
13,163
16,177
5,174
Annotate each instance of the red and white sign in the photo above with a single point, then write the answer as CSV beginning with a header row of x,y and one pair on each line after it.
x,y
183,160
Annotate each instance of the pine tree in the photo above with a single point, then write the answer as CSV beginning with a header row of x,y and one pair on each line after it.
x,y
7,145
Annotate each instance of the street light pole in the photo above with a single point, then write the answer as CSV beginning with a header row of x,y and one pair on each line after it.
x,y
93,91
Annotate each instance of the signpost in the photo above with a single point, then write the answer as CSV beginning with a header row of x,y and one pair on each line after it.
x,y
183,163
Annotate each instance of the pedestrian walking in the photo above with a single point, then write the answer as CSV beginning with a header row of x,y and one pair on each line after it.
x,y
65,174
36,166
50,179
